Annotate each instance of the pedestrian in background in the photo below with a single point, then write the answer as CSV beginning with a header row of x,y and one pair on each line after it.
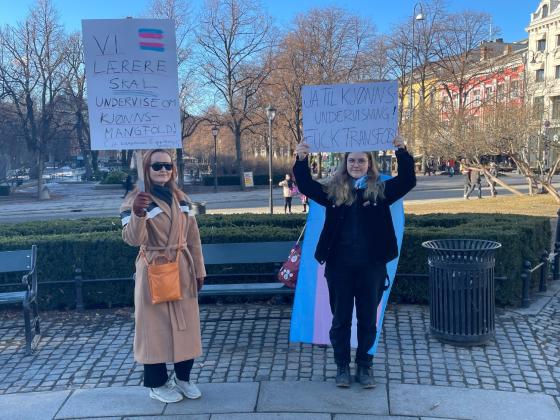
x,y
357,241
475,180
288,191
493,170
304,202
127,185
159,223
465,171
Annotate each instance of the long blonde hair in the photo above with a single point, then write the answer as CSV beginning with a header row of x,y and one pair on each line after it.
x,y
339,187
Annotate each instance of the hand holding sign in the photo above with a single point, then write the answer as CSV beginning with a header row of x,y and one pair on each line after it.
x,y
302,150
399,142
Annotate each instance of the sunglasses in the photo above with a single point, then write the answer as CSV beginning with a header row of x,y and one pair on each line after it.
x,y
159,165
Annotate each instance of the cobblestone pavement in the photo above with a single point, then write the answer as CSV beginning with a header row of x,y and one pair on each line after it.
x,y
249,342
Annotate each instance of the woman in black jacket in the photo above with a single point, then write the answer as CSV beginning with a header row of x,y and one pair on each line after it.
x,y
357,241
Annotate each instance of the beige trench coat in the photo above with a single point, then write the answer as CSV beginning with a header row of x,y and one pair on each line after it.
x,y
165,332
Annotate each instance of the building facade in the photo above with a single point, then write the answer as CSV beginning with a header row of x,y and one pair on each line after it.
x,y
543,74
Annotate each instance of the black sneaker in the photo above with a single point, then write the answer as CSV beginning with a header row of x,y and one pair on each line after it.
x,y
342,376
364,376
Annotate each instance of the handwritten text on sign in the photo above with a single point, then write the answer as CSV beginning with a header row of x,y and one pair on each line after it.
x,y
350,117
131,71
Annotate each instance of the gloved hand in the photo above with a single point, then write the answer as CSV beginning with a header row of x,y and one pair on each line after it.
x,y
141,202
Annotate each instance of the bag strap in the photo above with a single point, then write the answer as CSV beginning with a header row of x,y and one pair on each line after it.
x,y
142,250
301,234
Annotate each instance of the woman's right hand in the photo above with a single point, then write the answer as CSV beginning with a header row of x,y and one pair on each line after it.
x,y
140,203
302,150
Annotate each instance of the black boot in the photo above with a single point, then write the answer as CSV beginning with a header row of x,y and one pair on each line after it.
x,y
364,376
342,376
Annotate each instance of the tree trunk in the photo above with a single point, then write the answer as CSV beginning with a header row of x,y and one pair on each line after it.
x,y
500,182
239,157
40,168
94,161
180,168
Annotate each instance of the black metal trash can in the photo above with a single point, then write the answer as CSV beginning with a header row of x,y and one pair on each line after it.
x,y
198,208
462,298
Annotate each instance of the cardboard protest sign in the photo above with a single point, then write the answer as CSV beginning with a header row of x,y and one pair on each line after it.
x,y
350,117
132,82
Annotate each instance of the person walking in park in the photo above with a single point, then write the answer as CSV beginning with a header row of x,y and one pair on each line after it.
x,y
465,171
357,241
288,191
159,223
304,202
475,181
127,185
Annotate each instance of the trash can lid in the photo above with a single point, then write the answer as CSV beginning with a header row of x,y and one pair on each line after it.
x,y
462,245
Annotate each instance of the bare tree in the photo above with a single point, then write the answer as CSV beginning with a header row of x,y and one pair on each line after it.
x,y
75,94
180,11
236,41
326,45
31,62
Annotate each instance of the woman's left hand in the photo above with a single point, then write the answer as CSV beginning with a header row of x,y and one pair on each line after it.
x,y
399,142
199,283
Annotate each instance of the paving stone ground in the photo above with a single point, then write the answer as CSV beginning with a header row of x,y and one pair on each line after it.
x,y
249,342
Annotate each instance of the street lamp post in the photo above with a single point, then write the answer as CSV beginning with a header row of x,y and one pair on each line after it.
x,y
270,114
415,17
215,130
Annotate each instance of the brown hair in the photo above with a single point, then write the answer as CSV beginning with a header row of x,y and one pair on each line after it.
x,y
339,187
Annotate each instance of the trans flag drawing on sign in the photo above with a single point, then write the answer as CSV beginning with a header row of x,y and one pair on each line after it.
x,y
149,39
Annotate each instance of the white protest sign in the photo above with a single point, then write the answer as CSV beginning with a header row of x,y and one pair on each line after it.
x,y
350,117
132,83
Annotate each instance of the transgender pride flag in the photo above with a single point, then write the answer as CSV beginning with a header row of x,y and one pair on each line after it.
x,y
311,315
150,39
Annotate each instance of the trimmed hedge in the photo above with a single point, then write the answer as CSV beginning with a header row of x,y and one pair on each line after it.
x,y
95,245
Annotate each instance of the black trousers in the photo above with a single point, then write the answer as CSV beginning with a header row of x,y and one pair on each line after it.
x,y
155,375
288,204
365,286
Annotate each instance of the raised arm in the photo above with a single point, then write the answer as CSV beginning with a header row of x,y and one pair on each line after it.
x,y
397,187
133,217
306,184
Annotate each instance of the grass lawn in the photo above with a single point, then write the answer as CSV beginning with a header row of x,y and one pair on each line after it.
x,y
539,205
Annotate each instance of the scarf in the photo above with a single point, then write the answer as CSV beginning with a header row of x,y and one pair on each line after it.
x,y
163,193
361,183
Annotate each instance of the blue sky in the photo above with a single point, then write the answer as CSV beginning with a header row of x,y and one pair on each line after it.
x,y
512,16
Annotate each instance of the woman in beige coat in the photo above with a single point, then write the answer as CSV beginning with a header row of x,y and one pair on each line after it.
x,y
158,221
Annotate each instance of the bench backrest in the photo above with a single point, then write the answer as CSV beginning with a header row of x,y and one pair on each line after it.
x,y
12,261
246,252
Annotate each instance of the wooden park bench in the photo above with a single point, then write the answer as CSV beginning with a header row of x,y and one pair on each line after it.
x,y
246,253
24,261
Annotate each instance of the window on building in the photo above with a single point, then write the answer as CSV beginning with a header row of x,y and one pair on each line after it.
x,y
555,107
476,97
557,72
501,92
539,75
514,89
538,106
544,11
558,40
541,45
488,92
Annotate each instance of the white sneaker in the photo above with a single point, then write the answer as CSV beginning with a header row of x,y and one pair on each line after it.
x,y
166,393
187,388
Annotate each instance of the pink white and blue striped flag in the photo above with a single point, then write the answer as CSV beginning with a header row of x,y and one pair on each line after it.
x,y
311,314
151,39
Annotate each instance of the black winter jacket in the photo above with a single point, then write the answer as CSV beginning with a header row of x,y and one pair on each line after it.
x,y
382,242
